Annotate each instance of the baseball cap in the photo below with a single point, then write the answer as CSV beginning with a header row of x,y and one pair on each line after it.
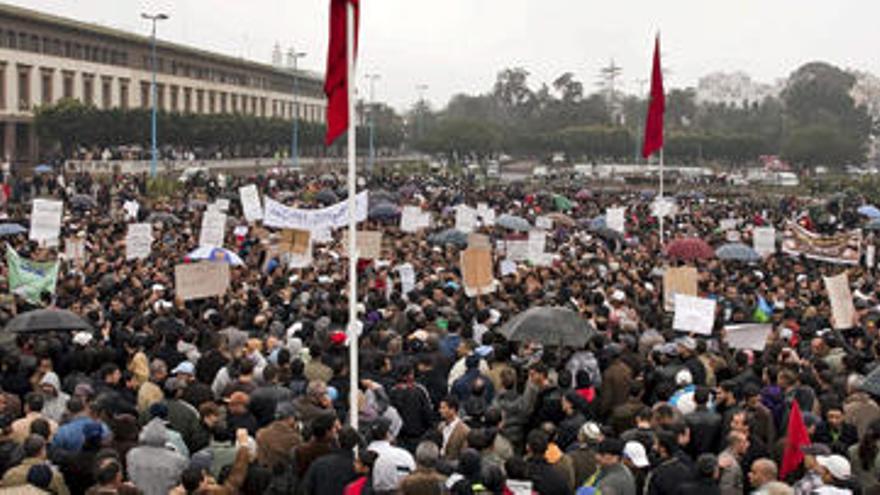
x,y
591,431
635,452
184,367
837,465
684,377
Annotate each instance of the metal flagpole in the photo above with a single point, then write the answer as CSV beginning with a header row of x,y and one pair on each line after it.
x,y
661,196
353,329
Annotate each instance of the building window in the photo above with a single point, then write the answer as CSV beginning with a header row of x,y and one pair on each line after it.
x,y
254,105
24,88
88,89
123,94
187,100
67,84
262,107
46,83
173,97
233,102
160,96
10,39
212,97
2,85
106,92
200,101
145,94
222,102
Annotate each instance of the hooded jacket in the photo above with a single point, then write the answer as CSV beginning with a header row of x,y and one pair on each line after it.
x,y
153,467
54,406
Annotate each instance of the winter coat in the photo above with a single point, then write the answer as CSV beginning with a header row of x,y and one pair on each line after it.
x,y
153,467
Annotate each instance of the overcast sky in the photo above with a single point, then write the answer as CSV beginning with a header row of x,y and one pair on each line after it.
x,y
460,45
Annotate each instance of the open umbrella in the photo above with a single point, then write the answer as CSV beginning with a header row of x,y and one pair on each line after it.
x,y
737,251
513,223
327,197
47,320
215,254
872,382
163,217
549,326
11,229
869,211
449,236
598,223
562,203
383,211
873,224
383,196
562,219
83,201
43,169
583,194
689,248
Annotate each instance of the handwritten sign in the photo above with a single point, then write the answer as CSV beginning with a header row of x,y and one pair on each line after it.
x,y
295,241
842,308
45,221
764,240
407,278
478,240
678,280
75,250
694,314
201,280
476,271
250,203
614,219
369,244
213,228
131,208
138,241
747,336
543,222
465,219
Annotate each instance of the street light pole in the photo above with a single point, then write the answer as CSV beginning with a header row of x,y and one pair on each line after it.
x,y
372,78
294,143
421,88
154,153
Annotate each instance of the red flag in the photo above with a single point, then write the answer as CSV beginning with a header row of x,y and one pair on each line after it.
x,y
656,107
336,80
796,438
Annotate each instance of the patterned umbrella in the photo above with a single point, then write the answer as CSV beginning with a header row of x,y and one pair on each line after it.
x,y
737,251
689,248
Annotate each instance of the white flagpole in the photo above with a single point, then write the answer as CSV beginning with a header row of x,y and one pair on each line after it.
x,y
352,227
661,196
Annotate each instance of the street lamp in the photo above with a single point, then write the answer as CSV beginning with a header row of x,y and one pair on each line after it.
x,y
294,56
421,88
154,152
372,78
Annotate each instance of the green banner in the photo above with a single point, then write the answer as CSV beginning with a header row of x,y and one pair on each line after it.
x,y
29,279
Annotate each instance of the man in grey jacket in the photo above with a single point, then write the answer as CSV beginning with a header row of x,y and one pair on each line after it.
x,y
152,466
612,476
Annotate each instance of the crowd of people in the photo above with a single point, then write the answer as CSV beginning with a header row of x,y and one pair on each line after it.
x,y
249,392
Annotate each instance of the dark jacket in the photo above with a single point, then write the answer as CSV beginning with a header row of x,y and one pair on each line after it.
x,y
839,441
705,429
546,480
615,387
329,473
668,477
700,487
305,454
414,407
263,402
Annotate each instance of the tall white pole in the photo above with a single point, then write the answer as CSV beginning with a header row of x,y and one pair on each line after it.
x,y
353,327
661,196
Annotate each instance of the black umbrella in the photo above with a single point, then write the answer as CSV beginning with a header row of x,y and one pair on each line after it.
x,y
327,197
383,211
449,236
549,326
47,320
83,201
163,217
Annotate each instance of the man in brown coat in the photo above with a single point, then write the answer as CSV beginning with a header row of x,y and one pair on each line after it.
x,y
425,480
276,442
615,382
452,428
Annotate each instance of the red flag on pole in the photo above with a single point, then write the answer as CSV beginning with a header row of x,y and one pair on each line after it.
x,y
796,438
656,107
336,80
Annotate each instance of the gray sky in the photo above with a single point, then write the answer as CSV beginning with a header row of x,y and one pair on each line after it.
x,y
460,45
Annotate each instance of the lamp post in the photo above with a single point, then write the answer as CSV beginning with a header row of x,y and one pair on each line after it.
x,y
294,143
421,88
372,78
154,153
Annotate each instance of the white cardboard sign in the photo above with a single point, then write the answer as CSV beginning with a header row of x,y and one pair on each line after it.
x,y
694,314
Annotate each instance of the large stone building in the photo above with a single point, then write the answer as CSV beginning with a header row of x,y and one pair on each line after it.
x,y
734,89
44,58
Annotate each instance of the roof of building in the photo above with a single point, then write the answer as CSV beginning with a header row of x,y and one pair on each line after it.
x,y
92,28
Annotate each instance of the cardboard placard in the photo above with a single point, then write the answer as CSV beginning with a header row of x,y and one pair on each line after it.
x,y
747,336
615,220
842,308
369,244
250,202
479,240
764,240
213,228
476,271
138,241
465,219
75,250
407,278
678,280
544,222
295,241
694,314
201,280
728,224
517,250
45,221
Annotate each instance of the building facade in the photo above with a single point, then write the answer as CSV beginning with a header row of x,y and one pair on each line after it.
x,y
735,89
44,58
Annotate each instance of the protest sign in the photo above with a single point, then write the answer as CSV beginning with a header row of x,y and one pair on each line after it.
x,y
131,208
508,267
369,244
201,280
517,250
250,203
870,254
300,260
614,219
842,248
728,224
476,271
485,214
465,218
544,222
764,240
45,221
222,204
322,236
479,240
678,280
138,240
334,216
694,314
663,207
747,336
537,243
295,241
75,249
842,308
407,278
213,228
411,219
